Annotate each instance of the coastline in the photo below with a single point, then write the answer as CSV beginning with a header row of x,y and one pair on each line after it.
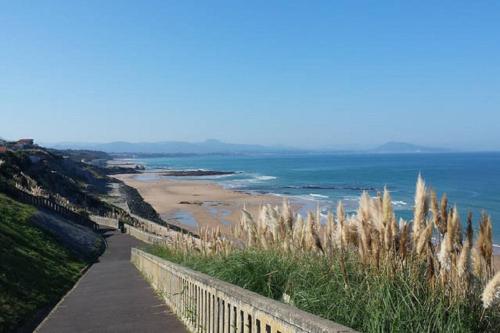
x,y
195,203
192,204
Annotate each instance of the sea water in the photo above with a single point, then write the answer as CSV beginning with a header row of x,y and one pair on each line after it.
x,y
471,180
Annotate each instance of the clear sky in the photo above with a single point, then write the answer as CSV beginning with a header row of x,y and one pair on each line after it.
x,y
298,73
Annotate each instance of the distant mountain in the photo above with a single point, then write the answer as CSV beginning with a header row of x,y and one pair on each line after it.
x,y
218,147
406,148
174,147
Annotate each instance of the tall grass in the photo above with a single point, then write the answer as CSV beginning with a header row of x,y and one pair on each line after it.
x,y
366,270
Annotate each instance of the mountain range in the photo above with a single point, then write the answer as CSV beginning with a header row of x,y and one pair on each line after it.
x,y
405,148
175,147
218,147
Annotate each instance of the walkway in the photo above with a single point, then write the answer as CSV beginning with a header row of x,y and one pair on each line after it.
x,y
112,297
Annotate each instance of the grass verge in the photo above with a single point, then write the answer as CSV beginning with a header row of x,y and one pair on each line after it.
x,y
35,270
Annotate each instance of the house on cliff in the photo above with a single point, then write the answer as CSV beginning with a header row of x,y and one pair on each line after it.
x,y
24,143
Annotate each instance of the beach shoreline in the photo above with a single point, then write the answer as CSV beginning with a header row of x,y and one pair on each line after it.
x,y
193,204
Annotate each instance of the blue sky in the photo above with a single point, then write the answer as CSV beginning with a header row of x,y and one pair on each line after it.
x,y
298,73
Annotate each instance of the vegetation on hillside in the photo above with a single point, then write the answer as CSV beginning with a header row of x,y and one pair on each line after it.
x,y
35,270
41,171
366,270
72,178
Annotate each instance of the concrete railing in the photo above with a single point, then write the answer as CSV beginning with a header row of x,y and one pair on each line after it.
x,y
145,236
152,227
105,221
161,230
209,305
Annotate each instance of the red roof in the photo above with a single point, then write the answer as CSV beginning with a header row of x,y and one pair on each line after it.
x,y
3,149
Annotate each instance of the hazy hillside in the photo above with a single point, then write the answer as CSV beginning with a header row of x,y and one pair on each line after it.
x,y
215,146
174,147
403,147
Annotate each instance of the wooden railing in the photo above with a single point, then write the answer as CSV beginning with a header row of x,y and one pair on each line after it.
x,y
49,204
209,305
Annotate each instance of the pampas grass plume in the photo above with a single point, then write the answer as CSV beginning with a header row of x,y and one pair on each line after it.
x,y
491,293
464,262
421,207
387,206
423,240
484,241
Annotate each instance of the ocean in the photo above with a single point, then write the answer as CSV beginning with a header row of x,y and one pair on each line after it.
x,y
471,180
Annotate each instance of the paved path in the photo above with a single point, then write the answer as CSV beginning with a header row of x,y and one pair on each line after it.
x,y
112,297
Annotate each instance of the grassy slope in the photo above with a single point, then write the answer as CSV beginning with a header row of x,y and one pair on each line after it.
x,y
371,303
35,270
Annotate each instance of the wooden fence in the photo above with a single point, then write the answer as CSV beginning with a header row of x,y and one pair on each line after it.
x,y
49,204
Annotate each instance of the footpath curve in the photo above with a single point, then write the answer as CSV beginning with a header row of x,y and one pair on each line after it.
x,y
112,296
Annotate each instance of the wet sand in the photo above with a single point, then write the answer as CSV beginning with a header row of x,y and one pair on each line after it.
x,y
192,203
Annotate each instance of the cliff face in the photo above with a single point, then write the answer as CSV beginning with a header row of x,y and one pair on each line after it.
x,y
63,177
72,179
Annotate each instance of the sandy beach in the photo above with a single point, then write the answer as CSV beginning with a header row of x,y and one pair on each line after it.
x,y
192,203
195,203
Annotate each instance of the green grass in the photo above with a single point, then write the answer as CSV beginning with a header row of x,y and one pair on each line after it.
x,y
35,270
373,302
